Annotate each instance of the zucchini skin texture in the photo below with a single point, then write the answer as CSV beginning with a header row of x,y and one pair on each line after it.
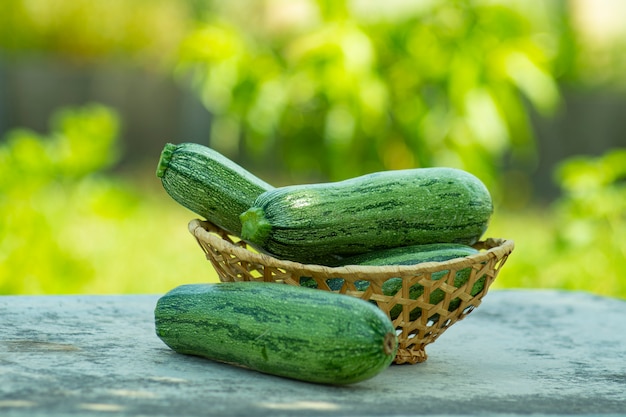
x,y
411,255
278,329
208,183
322,223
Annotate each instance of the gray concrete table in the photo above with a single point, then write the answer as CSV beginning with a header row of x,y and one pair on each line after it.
x,y
520,352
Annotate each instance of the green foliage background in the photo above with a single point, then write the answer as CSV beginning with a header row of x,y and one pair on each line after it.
x,y
353,90
68,227
334,90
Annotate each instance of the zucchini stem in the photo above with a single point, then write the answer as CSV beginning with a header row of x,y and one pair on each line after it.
x,y
254,226
390,344
164,160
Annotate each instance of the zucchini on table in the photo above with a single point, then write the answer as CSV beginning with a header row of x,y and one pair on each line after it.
x,y
322,223
278,329
208,183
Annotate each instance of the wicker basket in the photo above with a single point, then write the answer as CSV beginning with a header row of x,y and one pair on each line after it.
x,y
233,261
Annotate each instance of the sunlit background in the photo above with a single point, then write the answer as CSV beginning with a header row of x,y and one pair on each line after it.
x,y
530,96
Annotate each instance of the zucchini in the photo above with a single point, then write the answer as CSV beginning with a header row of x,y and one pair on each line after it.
x,y
393,285
289,331
321,223
334,284
208,183
410,255
418,254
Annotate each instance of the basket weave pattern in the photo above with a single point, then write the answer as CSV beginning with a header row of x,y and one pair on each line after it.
x,y
234,261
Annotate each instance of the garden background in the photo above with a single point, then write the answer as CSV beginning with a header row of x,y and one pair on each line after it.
x,y
527,95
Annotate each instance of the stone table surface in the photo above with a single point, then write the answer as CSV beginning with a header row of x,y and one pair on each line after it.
x,y
520,352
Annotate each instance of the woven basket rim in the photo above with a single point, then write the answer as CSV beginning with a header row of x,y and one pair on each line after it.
x,y
208,232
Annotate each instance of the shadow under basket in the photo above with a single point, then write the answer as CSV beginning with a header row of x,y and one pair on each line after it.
x,y
425,302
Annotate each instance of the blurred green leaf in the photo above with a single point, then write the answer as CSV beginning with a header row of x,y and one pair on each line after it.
x,y
591,219
586,173
43,184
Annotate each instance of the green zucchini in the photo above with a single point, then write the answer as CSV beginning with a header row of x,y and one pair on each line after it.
x,y
208,183
321,223
418,254
289,331
410,255
393,285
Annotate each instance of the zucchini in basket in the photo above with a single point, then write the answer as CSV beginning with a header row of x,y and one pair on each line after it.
x,y
208,183
322,223
410,255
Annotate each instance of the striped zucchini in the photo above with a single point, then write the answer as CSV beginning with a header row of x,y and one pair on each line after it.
x,y
208,183
393,285
410,255
321,223
283,330
438,252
